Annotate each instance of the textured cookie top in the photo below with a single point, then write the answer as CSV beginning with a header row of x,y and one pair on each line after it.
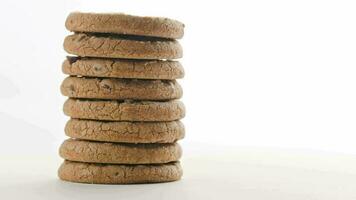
x,y
120,23
114,46
123,68
119,174
125,132
113,88
119,153
148,111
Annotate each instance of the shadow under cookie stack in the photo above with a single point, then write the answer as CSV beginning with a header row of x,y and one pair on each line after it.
x,y
122,102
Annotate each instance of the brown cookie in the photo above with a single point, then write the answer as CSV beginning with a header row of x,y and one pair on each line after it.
x,y
119,153
120,23
110,46
124,110
119,174
113,88
123,68
126,132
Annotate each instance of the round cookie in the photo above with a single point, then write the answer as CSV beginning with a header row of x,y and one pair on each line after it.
x,y
124,110
120,23
123,68
119,174
125,132
119,153
110,46
112,88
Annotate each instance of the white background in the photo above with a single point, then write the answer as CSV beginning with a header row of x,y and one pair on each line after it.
x,y
276,76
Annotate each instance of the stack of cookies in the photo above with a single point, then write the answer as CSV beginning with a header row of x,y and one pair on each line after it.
x,y
122,99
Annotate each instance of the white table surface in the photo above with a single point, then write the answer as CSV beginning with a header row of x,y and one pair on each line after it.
x,y
237,173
